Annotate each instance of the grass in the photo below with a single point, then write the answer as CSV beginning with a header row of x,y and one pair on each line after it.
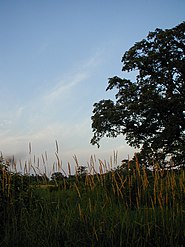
x,y
122,207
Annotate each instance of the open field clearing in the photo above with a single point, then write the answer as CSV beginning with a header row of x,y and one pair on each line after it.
x,y
126,206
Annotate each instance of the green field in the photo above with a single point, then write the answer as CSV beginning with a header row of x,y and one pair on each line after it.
x,y
129,206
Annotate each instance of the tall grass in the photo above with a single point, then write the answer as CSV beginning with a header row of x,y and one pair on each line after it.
x,y
130,206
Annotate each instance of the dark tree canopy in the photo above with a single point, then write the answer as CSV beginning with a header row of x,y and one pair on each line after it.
x,y
149,111
81,171
57,176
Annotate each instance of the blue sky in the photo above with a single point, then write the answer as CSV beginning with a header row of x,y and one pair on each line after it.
x,y
55,59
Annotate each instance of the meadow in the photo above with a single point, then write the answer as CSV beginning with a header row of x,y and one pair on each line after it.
x,y
125,206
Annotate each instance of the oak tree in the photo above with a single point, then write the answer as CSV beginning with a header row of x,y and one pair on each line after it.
x,y
149,110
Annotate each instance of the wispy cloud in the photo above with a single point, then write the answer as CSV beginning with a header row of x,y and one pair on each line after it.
x,y
9,119
43,138
64,86
68,82
45,118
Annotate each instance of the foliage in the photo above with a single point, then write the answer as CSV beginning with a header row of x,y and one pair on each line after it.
x,y
149,110
15,195
57,176
81,171
38,179
123,207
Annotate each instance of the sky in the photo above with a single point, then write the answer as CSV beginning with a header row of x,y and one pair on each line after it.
x,y
55,60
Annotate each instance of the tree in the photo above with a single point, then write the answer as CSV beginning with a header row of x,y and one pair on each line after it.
x,y
150,110
81,171
57,176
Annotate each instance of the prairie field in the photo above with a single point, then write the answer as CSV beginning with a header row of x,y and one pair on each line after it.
x,y
126,206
